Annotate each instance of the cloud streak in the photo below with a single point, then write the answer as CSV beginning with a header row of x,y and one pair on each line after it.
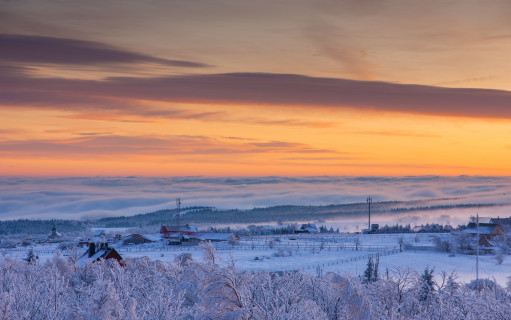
x,y
259,89
62,51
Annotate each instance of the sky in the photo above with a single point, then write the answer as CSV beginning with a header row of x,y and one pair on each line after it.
x,y
255,88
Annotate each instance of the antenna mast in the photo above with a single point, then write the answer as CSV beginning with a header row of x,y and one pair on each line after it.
x,y
178,212
369,201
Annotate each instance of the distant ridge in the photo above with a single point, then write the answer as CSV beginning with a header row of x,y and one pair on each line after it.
x,y
212,216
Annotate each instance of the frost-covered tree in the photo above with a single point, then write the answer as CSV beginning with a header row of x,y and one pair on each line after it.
x,y
208,252
427,284
142,289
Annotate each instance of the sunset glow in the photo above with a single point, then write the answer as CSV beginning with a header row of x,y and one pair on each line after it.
x,y
229,88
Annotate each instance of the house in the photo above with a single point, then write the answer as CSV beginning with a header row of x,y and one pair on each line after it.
x,y
179,233
307,228
137,238
186,229
486,246
54,235
374,228
99,233
504,223
190,233
489,230
417,228
27,242
484,242
104,252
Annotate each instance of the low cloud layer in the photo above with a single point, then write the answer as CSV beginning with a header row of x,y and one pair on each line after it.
x,y
112,196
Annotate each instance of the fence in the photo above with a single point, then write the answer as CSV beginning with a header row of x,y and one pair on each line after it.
x,y
341,261
281,246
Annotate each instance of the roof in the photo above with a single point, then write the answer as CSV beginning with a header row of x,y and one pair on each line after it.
x,y
102,253
175,234
501,221
484,228
150,237
98,233
185,228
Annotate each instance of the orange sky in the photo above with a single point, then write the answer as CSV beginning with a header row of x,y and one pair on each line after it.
x,y
223,88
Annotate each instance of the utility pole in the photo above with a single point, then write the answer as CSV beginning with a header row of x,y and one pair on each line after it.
x,y
477,254
369,201
178,212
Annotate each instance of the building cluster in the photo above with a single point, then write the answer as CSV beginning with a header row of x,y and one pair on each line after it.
x,y
181,235
489,237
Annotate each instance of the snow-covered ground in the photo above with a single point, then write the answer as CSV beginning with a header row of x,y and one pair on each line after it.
x,y
328,252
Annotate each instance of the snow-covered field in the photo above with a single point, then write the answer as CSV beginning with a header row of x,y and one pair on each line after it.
x,y
308,252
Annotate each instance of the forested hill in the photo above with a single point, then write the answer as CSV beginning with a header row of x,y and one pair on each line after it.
x,y
212,216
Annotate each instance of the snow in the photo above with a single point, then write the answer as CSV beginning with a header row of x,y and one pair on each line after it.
x,y
83,259
308,252
345,259
463,265
152,237
111,230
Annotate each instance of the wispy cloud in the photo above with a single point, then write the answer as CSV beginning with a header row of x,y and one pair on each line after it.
x,y
100,144
42,50
396,133
93,133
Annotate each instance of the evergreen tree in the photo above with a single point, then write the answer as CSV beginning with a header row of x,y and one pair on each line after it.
x,y
31,258
368,274
427,287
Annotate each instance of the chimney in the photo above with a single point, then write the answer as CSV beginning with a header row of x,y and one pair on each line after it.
x,y
92,249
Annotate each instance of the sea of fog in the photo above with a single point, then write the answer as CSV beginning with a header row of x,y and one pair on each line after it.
x,y
93,197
